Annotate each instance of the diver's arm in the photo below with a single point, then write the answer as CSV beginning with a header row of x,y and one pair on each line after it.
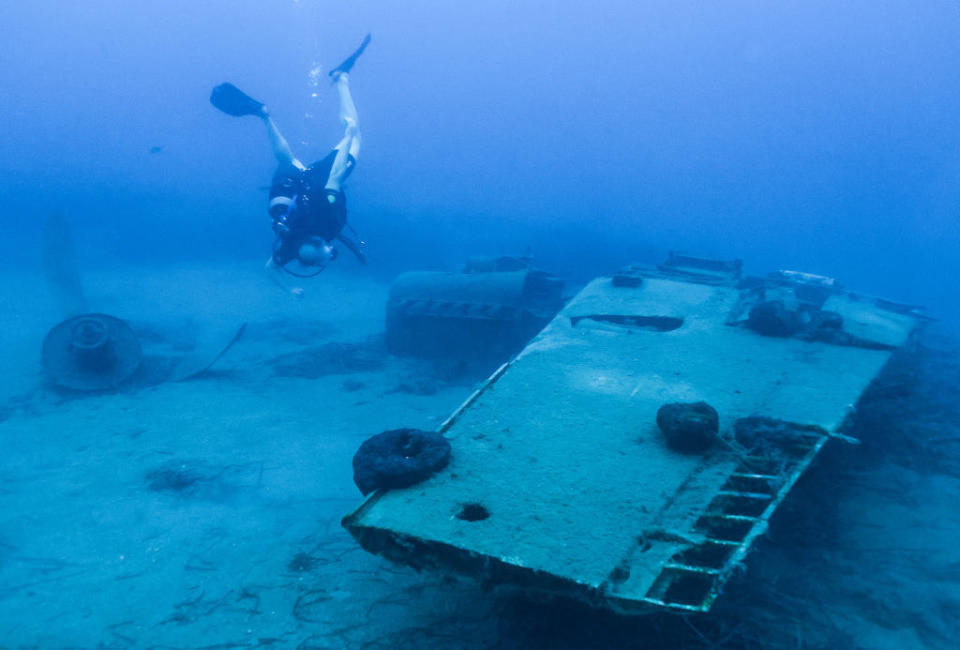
x,y
281,150
275,273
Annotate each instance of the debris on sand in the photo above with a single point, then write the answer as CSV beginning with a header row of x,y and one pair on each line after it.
x,y
689,428
200,480
333,358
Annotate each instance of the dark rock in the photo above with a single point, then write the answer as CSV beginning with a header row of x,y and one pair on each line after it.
x,y
772,318
689,428
399,458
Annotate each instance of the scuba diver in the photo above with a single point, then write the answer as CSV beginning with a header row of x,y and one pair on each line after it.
x,y
307,204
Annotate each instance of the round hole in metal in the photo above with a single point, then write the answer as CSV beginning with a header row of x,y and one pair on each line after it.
x,y
473,512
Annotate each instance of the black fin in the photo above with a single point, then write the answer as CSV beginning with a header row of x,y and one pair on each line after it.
x,y
347,64
233,101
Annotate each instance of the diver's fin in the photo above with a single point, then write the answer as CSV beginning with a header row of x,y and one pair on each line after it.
x,y
348,62
354,247
233,101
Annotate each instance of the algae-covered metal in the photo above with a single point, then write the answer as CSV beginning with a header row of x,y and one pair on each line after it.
x,y
490,310
560,479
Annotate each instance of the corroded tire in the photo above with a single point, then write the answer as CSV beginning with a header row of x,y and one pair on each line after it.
x,y
399,458
689,428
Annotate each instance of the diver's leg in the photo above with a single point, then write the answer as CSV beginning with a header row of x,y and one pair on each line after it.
x,y
349,147
281,150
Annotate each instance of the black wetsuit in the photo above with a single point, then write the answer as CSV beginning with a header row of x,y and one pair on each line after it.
x,y
312,214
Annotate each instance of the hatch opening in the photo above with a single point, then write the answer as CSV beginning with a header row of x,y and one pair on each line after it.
x,y
651,323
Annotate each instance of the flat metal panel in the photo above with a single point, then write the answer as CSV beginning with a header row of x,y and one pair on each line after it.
x,y
561,447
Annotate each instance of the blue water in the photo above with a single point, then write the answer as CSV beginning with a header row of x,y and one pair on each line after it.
x,y
817,136
800,135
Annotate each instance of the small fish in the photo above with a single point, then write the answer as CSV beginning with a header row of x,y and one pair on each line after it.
x,y
156,149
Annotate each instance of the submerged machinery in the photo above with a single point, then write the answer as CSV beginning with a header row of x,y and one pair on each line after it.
x,y
91,352
488,311
563,476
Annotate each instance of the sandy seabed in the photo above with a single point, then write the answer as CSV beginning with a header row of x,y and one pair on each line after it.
x,y
243,547
206,513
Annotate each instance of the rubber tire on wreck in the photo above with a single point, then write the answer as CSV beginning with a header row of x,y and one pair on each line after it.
x,y
689,428
399,458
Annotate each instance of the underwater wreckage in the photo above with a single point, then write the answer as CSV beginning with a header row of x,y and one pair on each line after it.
x,y
488,311
91,352
569,472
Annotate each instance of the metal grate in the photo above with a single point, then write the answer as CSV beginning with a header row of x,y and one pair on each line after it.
x,y
691,580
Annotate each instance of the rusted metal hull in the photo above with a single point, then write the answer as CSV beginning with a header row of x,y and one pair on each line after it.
x,y
560,454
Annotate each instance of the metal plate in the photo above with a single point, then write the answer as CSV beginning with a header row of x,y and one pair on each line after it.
x,y
561,450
